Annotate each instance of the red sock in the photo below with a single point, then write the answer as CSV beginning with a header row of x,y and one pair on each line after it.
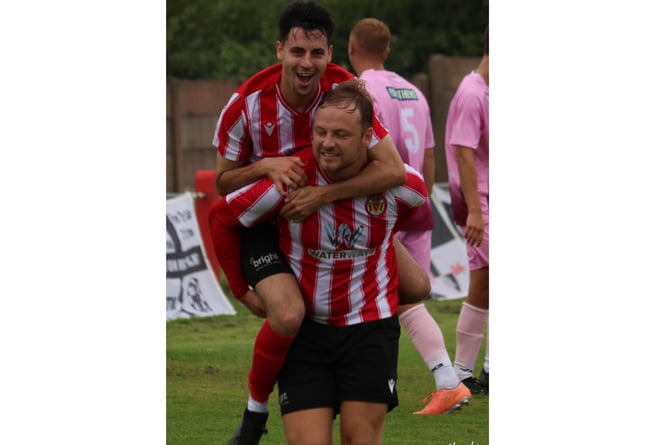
x,y
269,354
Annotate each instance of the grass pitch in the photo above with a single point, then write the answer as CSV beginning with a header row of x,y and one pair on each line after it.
x,y
207,365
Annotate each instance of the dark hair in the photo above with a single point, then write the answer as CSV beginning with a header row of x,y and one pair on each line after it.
x,y
485,41
306,15
352,91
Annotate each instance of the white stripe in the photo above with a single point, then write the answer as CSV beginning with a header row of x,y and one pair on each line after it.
x,y
253,110
285,128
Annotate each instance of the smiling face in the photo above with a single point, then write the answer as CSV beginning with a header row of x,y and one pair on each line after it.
x,y
304,56
339,141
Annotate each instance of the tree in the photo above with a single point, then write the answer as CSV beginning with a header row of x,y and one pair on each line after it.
x,y
223,39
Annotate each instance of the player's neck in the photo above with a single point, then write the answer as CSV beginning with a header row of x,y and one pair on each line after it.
x,y
483,69
294,100
364,66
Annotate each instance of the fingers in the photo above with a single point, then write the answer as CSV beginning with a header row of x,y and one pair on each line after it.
x,y
291,213
291,181
474,236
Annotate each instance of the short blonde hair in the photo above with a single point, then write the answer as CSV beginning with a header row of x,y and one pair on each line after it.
x,y
372,37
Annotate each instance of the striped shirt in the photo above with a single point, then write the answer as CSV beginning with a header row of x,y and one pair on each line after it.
x,y
257,122
342,255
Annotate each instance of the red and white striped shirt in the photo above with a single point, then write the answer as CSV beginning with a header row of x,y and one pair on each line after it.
x,y
257,122
342,255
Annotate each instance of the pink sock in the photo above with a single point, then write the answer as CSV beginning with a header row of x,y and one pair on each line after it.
x,y
471,323
269,353
486,362
429,342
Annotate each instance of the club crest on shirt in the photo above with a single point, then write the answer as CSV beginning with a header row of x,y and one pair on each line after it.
x,y
375,205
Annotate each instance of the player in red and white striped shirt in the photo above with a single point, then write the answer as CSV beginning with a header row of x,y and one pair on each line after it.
x,y
344,260
332,252
267,119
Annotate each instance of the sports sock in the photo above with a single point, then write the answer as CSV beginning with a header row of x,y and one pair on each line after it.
x,y
469,330
429,342
486,361
257,407
269,353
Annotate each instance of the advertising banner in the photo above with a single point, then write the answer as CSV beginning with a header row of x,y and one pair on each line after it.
x,y
192,288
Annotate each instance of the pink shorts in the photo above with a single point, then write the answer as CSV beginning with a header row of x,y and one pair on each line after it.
x,y
419,244
478,256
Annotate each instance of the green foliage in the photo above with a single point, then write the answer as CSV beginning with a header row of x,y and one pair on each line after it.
x,y
222,39
207,365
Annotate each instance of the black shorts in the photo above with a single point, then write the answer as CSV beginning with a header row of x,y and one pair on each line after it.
x,y
260,253
327,365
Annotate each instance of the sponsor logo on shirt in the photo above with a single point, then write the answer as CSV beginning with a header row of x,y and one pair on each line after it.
x,y
344,234
402,93
340,254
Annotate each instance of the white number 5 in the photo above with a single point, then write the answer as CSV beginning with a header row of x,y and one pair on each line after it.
x,y
412,141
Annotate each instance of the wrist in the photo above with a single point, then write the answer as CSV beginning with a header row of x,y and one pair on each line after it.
x,y
326,194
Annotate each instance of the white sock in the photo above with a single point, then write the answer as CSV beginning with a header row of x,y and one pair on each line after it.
x,y
444,376
462,371
257,407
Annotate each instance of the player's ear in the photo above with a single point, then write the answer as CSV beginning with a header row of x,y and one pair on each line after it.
x,y
367,138
279,50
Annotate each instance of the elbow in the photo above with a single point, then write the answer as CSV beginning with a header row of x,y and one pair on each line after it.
x,y
221,187
401,176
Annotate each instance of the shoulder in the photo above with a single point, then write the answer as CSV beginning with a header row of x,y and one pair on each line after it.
x,y
335,74
471,92
262,80
472,85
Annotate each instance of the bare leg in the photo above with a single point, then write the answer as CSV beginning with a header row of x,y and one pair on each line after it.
x,y
283,302
285,310
362,423
414,283
309,427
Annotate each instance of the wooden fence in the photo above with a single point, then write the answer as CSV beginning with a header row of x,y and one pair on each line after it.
x,y
193,108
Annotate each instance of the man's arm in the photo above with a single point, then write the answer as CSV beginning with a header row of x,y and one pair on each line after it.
x,y
384,171
428,169
469,185
285,171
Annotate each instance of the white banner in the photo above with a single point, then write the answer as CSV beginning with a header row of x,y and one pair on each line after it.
x,y
192,288
450,268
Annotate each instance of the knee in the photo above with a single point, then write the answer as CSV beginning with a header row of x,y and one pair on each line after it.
x,y
416,291
289,322
423,286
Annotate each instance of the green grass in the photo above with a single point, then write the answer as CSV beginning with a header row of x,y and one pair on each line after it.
x,y
207,366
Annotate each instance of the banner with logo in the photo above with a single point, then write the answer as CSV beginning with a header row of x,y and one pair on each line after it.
x,y
192,288
450,268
